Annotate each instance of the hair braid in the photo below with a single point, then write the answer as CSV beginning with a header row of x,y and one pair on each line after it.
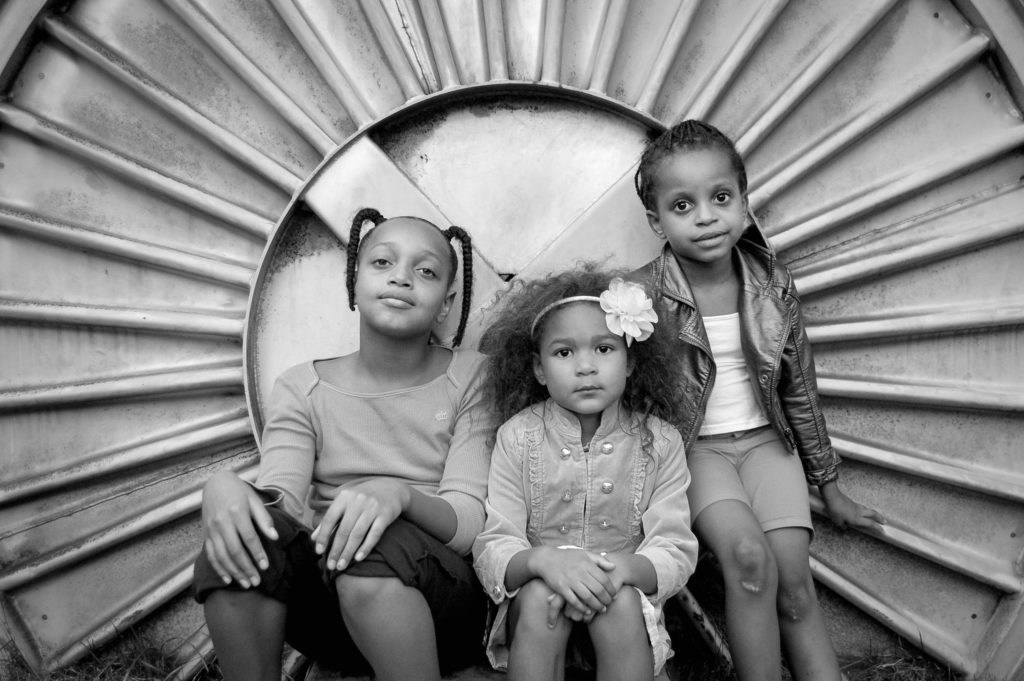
x,y
465,241
352,249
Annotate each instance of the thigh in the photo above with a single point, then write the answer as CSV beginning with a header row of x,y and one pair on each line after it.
x,y
774,482
714,475
457,602
727,525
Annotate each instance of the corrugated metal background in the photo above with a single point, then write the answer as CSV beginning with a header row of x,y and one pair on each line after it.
x,y
173,175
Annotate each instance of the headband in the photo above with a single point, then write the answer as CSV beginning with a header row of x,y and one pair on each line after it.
x,y
628,311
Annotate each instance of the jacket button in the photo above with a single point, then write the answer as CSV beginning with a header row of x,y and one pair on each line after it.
x,y
497,590
604,524
567,495
564,529
607,486
565,453
607,448
764,378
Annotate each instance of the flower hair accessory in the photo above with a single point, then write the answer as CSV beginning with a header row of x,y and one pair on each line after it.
x,y
629,312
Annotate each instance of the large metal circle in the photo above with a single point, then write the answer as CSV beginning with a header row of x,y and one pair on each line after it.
x,y
176,177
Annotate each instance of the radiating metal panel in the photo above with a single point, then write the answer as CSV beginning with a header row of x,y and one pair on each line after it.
x,y
177,178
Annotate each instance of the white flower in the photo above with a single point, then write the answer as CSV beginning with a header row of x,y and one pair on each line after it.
x,y
628,311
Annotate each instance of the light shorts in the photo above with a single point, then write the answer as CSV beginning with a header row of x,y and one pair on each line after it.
x,y
755,468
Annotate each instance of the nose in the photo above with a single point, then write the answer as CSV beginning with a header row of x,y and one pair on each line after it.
x,y
705,214
399,276
585,364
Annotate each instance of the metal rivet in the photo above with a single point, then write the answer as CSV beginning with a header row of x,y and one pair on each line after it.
x,y
607,448
604,524
607,486
564,529
566,452
567,495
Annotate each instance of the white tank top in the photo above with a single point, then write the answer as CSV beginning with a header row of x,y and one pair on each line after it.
x,y
733,404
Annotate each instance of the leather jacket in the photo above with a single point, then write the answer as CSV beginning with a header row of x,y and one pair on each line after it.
x,y
774,344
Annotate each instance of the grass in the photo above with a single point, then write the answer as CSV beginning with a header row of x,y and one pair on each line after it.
x,y
137,658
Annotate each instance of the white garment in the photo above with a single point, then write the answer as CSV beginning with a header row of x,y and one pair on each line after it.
x,y
733,404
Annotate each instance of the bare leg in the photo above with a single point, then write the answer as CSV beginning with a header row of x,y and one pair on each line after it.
x,y
537,651
620,639
732,532
247,629
808,647
382,613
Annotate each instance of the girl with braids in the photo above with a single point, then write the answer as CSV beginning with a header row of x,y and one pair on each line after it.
x,y
587,526
750,401
392,438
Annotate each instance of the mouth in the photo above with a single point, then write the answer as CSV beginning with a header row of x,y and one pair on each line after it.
x,y
588,389
396,301
711,236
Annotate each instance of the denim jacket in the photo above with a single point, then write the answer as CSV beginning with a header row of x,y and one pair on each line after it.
x,y
774,344
544,488
625,491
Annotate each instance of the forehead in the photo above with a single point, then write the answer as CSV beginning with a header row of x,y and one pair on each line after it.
x,y
695,168
579,319
412,232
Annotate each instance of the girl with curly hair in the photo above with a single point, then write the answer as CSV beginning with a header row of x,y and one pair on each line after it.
x,y
587,523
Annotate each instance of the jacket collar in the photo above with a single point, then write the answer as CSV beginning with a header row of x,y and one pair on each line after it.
x,y
568,424
754,257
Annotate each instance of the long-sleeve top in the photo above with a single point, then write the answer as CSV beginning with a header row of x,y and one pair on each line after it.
x,y
432,437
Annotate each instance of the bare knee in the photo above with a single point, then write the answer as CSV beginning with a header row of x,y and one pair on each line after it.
x,y
358,593
531,611
796,600
754,569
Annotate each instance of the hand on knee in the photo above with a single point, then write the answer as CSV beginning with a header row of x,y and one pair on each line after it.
x,y
534,613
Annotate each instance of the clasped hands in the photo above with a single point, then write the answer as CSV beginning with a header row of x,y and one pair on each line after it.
x,y
583,583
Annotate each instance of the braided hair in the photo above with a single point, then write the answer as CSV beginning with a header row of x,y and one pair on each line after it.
x,y
373,215
690,134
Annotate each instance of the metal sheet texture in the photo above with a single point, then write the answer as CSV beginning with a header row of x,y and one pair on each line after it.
x,y
177,178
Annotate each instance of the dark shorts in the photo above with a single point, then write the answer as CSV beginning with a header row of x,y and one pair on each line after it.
x,y
297,577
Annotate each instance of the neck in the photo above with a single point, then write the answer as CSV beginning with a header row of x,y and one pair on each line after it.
x,y
588,426
707,274
393,358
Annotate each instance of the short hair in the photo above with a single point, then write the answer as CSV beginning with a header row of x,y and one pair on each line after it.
x,y
365,215
690,134
653,388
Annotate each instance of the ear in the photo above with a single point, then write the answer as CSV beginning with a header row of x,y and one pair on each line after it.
x,y
538,370
652,220
630,365
446,305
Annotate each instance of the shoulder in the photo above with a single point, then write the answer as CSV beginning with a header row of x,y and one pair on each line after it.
x,y
300,378
466,366
527,420
666,436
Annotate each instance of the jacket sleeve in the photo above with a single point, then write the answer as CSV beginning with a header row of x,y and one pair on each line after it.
x,y
801,404
504,533
668,542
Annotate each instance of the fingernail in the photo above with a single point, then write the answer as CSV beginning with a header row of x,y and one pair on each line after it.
x,y
255,581
244,583
272,534
319,548
342,563
227,580
330,565
359,556
264,564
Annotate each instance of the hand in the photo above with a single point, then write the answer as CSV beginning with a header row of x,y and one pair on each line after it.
x,y
579,578
357,518
845,512
232,512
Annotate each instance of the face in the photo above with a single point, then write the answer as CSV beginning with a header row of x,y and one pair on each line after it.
x,y
582,363
698,205
401,284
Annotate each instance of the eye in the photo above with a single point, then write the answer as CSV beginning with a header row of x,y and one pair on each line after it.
x,y
605,348
380,262
428,272
681,206
562,353
722,197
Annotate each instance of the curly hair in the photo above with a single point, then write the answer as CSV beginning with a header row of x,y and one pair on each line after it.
x,y
653,388
365,215
690,134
